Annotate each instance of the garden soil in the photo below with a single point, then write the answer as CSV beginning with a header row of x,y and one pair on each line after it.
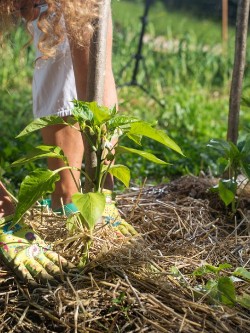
x,y
143,283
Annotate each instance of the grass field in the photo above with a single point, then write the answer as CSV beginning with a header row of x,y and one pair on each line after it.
x,y
186,72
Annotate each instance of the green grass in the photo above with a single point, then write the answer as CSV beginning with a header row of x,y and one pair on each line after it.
x,y
192,80
168,23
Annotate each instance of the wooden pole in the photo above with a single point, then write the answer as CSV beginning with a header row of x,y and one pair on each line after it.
x,y
238,69
96,80
224,24
97,57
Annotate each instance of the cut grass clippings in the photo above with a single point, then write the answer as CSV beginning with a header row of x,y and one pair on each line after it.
x,y
131,285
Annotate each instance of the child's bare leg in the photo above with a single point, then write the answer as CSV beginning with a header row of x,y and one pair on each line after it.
x,y
70,141
80,65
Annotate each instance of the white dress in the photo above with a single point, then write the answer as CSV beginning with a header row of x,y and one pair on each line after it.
x,y
53,83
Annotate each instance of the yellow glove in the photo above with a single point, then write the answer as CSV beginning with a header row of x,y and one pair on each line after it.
x,y
112,217
28,255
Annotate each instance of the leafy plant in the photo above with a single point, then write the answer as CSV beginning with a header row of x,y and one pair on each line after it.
x,y
220,287
233,161
102,128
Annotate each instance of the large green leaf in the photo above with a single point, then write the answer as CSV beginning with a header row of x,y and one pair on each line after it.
x,y
90,205
145,129
121,172
42,152
39,123
227,290
148,156
34,186
227,190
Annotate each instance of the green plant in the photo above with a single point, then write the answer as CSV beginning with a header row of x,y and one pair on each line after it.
x,y
191,78
220,285
102,128
233,161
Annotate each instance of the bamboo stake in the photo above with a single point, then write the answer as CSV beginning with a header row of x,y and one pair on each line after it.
x,y
96,79
238,70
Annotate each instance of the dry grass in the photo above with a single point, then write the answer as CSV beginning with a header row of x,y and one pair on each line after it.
x,y
129,284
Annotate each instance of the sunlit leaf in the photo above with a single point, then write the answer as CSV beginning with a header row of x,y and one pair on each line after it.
x,y
227,290
145,129
205,269
148,156
82,114
40,123
227,190
90,205
34,186
121,172
101,113
121,121
135,138
42,152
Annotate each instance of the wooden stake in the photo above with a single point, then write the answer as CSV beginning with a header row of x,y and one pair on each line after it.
x,y
97,60
96,80
238,70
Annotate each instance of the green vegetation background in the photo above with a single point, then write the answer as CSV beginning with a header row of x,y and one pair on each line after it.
x,y
186,70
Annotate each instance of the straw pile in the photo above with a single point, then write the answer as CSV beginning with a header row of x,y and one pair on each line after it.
x,y
143,284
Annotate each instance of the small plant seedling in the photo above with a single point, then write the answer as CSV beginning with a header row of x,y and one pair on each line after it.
x,y
104,128
220,286
234,160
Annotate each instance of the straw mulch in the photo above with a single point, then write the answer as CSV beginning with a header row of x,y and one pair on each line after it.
x,y
130,285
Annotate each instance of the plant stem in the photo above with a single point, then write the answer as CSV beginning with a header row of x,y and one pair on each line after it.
x,y
70,169
105,176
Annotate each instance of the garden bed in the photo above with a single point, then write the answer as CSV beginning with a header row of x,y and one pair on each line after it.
x,y
143,284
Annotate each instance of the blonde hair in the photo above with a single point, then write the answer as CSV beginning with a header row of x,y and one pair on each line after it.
x,y
72,18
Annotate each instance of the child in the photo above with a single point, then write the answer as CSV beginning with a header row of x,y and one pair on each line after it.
x,y
61,32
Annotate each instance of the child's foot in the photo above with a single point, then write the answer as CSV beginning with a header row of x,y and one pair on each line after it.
x,y
28,255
